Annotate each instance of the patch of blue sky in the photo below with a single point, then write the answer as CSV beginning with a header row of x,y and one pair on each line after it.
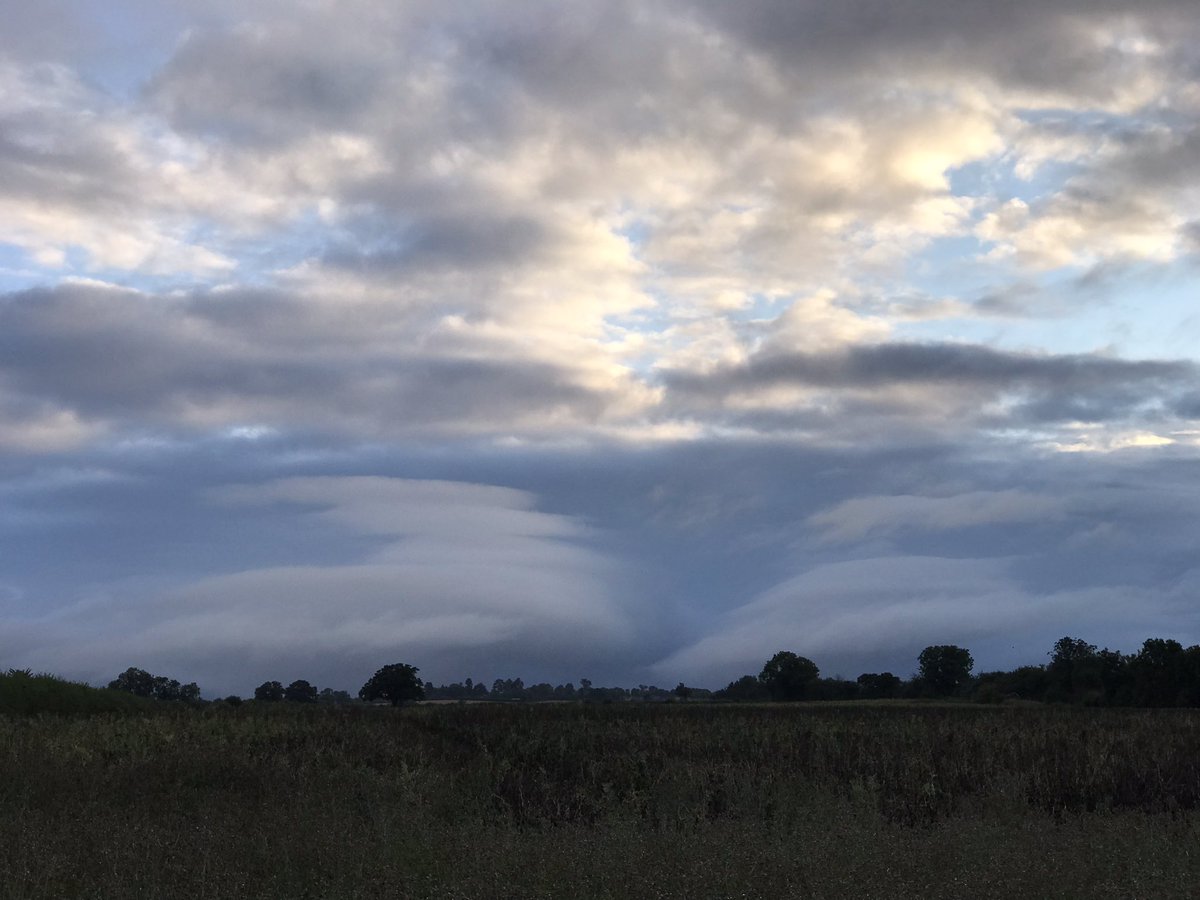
x,y
949,267
1075,120
980,178
129,42
17,272
761,306
257,258
1142,313
636,231
1156,314
998,180
79,264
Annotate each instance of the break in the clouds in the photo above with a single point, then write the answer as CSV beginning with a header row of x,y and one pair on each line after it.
x,y
642,338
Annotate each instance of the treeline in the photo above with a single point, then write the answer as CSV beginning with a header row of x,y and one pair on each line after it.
x,y
141,683
1162,673
516,689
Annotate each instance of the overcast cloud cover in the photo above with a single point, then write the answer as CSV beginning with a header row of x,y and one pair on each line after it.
x,y
622,340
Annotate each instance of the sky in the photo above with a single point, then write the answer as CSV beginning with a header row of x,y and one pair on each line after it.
x,y
577,339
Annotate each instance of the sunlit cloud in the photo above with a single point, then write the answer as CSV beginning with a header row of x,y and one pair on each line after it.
x,y
671,312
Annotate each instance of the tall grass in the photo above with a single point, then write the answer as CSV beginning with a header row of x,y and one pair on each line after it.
x,y
24,693
604,801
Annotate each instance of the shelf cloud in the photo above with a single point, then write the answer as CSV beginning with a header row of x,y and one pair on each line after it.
x,y
593,339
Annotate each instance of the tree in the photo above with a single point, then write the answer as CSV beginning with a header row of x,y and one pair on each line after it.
x,y
190,692
160,687
1068,651
1115,678
397,684
746,689
167,688
334,698
1157,671
945,668
682,691
787,676
508,689
269,692
134,681
300,691
1074,671
878,685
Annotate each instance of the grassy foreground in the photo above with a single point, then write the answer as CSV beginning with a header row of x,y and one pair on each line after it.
x,y
601,801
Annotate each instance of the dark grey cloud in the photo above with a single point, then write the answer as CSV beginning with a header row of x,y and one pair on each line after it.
x,y
513,253
238,560
51,157
1040,388
213,361
262,85
464,573
478,239
1044,46
226,359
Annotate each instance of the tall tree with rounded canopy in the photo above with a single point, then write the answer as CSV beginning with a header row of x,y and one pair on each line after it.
x,y
397,684
269,692
136,681
300,691
945,668
787,676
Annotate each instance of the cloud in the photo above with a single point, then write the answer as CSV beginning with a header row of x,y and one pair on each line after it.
x,y
854,519
740,293
941,383
80,173
1050,53
865,613
463,575
621,563
84,361
104,357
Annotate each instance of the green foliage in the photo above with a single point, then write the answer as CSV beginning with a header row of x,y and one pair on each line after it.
x,y
333,697
22,693
135,681
879,686
300,691
269,692
945,669
1158,673
396,683
787,676
747,689
141,683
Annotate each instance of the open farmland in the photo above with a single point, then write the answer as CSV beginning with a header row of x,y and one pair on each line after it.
x,y
573,800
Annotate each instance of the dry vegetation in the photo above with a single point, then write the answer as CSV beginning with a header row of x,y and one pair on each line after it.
x,y
601,801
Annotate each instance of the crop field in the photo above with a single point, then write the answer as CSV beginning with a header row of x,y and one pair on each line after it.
x,y
622,800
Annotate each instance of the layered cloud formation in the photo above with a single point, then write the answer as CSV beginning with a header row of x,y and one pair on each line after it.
x,y
668,333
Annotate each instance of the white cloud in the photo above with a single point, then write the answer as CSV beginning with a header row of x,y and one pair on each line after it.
x,y
646,228
857,518
464,573
865,610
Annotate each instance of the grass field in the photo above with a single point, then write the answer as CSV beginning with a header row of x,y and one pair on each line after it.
x,y
529,801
